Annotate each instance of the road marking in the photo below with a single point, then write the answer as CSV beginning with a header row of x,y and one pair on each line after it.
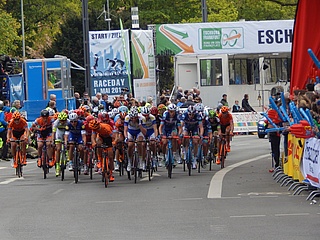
x,y
10,180
3,168
56,192
263,196
291,214
187,199
215,188
110,202
247,216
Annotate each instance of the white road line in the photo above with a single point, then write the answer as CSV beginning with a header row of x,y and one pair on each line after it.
x,y
58,191
263,196
3,168
215,188
187,199
248,216
110,202
291,214
10,180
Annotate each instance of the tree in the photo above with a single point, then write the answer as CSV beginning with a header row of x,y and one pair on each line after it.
x,y
8,34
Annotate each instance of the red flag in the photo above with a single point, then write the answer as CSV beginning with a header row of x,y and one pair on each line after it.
x,y
306,35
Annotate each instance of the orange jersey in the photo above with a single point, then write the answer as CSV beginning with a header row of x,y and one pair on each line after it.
x,y
19,127
42,124
119,125
105,130
225,119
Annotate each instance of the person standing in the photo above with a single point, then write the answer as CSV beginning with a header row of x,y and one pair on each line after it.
x,y
78,100
224,100
3,133
245,104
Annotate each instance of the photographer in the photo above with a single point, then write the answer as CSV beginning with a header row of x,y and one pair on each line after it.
x,y
86,100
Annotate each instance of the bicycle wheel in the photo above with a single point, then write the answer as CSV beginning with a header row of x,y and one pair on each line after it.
x,y
75,166
105,171
199,158
189,162
62,163
169,166
223,153
90,162
135,167
44,164
149,165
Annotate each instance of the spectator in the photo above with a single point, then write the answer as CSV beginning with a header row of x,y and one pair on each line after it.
x,y
78,100
52,97
16,105
149,102
245,104
186,94
3,133
236,107
95,102
179,93
105,101
188,102
6,107
224,100
181,102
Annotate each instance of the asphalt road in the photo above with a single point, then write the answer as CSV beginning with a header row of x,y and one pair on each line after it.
x,y
242,201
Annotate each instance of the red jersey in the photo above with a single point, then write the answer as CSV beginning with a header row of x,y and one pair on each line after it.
x,y
19,127
225,119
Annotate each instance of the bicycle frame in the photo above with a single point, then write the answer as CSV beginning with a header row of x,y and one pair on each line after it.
x,y
18,157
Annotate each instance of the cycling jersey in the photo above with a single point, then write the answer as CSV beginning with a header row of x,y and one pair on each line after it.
x,y
215,123
148,123
45,126
191,123
18,128
133,126
59,128
119,125
75,133
225,119
206,127
170,123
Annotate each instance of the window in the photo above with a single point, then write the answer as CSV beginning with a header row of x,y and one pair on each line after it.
x,y
211,72
277,69
243,71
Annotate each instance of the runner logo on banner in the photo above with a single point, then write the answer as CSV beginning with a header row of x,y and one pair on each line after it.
x,y
108,68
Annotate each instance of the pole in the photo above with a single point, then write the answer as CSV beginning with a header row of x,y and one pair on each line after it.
x,y
85,27
204,11
22,27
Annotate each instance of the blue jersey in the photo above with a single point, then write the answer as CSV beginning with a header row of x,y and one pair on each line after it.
x,y
206,126
78,130
169,122
191,123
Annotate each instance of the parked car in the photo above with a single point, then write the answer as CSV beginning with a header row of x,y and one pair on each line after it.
x,y
262,126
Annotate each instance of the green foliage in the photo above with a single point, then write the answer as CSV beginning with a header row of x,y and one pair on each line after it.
x,y
8,33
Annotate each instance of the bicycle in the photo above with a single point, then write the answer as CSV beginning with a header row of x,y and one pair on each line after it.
x,y
170,160
189,155
63,161
76,162
212,152
18,157
44,158
135,170
149,164
223,149
106,172
90,157
200,155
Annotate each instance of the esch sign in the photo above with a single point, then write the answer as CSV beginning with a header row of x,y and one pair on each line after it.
x,y
278,36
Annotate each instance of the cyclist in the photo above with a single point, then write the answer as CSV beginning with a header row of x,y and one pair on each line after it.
x,y
102,134
191,122
161,109
150,131
170,126
43,127
120,65
132,130
207,132
119,137
58,130
111,64
86,123
226,122
75,133
215,128
18,129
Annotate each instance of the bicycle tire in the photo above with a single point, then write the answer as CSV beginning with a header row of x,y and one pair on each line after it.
x,y
222,156
169,166
149,165
90,164
75,166
44,164
106,170
62,163
135,167
199,159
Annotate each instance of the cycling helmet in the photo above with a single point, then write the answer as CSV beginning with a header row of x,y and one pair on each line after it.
x,y
123,109
62,116
89,118
65,111
212,113
123,115
134,108
162,107
115,111
172,107
44,113
79,112
154,111
191,109
133,113
145,110
73,116
85,108
224,109
94,124
199,107
103,116
16,115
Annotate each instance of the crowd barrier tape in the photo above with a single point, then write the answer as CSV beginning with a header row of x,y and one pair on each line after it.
x,y
310,164
291,164
245,121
